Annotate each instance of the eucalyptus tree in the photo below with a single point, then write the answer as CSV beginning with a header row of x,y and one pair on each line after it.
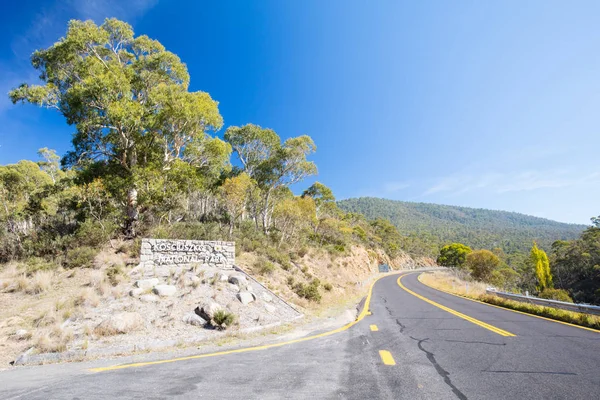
x,y
129,100
272,164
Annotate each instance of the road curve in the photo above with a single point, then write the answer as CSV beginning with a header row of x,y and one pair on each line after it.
x,y
416,343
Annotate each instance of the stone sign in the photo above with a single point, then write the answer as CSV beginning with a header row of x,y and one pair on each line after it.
x,y
204,253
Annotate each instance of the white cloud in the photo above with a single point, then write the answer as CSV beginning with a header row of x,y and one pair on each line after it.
x,y
497,182
393,187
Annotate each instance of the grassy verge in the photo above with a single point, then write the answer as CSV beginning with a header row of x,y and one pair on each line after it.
x,y
450,283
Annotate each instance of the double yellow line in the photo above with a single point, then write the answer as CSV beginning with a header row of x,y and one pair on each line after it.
x,y
456,313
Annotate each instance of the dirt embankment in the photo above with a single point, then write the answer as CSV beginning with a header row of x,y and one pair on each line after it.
x,y
112,308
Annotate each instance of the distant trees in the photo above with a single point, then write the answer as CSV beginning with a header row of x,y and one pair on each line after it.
x,y
453,255
435,225
575,265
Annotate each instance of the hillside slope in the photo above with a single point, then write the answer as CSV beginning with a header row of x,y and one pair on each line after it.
x,y
479,228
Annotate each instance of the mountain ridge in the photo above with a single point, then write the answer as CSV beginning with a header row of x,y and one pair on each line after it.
x,y
476,227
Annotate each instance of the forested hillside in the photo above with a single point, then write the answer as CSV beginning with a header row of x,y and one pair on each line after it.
x,y
437,225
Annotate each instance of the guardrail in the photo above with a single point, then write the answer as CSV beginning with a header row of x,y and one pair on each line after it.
x,y
581,308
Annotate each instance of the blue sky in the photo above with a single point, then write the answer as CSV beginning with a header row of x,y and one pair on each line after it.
x,y
482,104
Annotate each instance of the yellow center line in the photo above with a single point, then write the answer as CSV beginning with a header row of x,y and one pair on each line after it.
x,y
386,357
361,316
374,328
456,313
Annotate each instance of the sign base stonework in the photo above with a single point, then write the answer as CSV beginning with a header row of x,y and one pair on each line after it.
x,y
180,253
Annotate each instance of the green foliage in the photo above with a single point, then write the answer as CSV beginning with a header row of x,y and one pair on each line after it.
x,y
555,294
264,267
80,257
223,319
310,291
35,264
575,266
434,225
548,312
327,286
453,255
482,264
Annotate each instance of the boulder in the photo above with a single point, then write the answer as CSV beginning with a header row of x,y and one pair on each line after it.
x,y
193,319
235,288
165,290
149,298
245,297
223,277
269,307
146,284
123,322
267,297
136,292
238,280
208,309
194,280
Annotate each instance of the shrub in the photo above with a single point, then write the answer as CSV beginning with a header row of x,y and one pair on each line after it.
x,y
223,319
81,257
264,267
94,234
555,294
302,251
35,264
278,257
327,286
309,292
290,280
113,273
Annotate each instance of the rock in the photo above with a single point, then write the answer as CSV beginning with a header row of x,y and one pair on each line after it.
x,y
146,284
22,334
149,298
267,297
194,319
194,280
123,322
165,290
23,358
136,292
249,288
235,288
223,277
270,308
238,280
207,310
245,297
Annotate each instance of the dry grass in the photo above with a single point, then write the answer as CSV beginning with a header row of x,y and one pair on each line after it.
x,y
41,282
45,318
54,340
451,283
87,297
97,278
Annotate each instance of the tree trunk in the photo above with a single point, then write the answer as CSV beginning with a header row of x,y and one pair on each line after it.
x,y
132,214
266,213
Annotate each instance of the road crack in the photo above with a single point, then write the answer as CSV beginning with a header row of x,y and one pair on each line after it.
x,y
438,368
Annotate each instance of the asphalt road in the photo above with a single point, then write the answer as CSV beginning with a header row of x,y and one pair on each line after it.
x,y
407,348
